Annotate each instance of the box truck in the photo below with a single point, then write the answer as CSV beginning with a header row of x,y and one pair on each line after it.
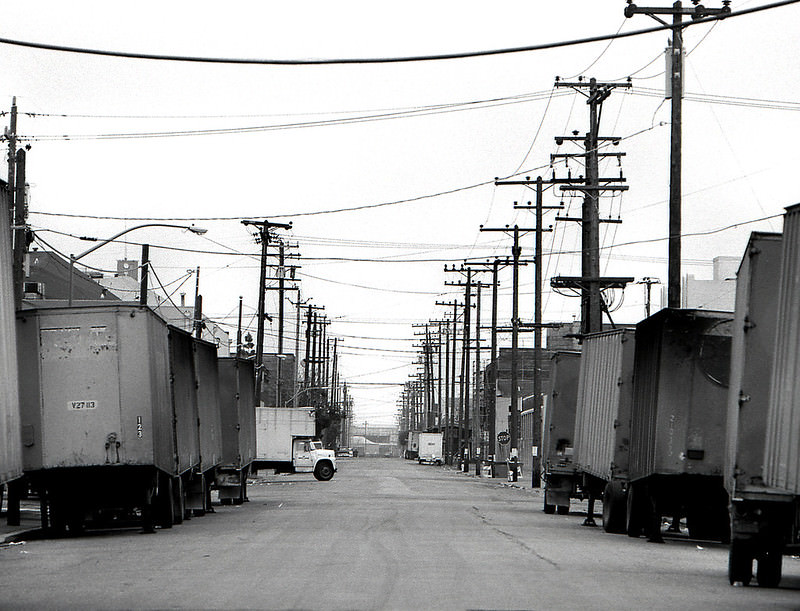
x,y
430,448
285,441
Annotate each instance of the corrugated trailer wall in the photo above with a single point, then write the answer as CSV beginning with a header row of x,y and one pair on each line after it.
x,y
247,410
782,452
96,388
559,426
682,367
605,394
184,399
752,352
10,445
208,404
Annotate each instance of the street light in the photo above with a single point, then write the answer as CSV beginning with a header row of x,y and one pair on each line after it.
x,y
73,258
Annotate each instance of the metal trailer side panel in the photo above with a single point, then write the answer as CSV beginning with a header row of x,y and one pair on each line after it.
x,y
782,451
10,442
680,393
184,399
605,392
228,371
208,404
160,401
752,348
94,395
559,430
246,380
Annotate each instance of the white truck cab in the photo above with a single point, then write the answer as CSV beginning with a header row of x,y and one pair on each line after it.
x,y
308,456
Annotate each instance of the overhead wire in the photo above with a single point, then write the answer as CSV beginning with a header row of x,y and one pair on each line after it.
x,y
385,60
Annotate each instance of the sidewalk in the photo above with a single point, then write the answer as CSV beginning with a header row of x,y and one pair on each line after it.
x,y
29,521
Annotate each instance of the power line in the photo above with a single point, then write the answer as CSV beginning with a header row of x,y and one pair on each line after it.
x,y
274,127
382,60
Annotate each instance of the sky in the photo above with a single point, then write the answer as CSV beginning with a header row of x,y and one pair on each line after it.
x,y
386,171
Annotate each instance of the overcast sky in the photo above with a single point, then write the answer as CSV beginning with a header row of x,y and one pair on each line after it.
x,y
309,139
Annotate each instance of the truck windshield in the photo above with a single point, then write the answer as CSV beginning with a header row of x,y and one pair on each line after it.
x,y
316,445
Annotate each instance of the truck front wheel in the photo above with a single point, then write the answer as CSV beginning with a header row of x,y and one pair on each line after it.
x,y
323,471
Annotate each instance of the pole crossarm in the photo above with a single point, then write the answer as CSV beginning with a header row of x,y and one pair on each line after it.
x,y
698,12
579,219
579,282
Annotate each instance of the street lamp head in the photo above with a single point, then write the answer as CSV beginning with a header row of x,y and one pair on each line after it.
x,y
198,230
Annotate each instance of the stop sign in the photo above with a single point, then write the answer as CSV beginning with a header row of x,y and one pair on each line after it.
x,y
503,437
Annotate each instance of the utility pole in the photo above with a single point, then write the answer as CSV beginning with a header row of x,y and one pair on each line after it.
x,y
145,270
590,284
239,330
466,441
516,251
263,237
451,384
648,282
675,76
298,307
20,227
537,318
197,327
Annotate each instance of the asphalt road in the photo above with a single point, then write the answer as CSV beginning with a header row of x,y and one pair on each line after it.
x,y
383,534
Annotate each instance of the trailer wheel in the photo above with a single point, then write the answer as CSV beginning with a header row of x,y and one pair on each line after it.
x,y
323,471
562,510
614,507
770,567
634,515
740,563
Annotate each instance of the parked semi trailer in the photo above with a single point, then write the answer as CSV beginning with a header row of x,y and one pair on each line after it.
x,y
107,428
681,371
209,425
763,454
560,478
238,413
286,442
10,444
602,422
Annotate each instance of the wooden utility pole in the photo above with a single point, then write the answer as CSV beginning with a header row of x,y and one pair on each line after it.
x,y
537,316
263,237
145,269
239,330
590,284
20,227
197,327
516,251
675,79
299,306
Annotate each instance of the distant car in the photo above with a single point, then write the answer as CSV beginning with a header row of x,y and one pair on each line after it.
x,y
344,452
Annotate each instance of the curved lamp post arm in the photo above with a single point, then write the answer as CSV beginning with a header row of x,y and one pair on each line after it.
x,y
73,258
193,229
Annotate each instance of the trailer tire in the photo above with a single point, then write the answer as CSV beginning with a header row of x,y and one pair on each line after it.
x,y
634,515
562,510
770,567
324,471
740,563
614,508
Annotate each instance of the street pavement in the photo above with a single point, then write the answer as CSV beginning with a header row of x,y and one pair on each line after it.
x,y
383,534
